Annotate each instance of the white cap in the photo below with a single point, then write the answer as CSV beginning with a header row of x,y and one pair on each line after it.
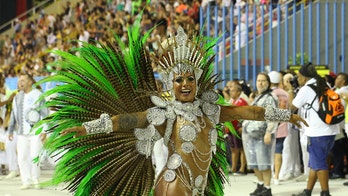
x,y
274,76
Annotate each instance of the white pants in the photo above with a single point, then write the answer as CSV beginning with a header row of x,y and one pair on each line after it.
x,y
305,155
11,153
291,163
28,148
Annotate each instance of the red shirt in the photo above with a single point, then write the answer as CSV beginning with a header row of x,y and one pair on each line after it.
x,y
238,102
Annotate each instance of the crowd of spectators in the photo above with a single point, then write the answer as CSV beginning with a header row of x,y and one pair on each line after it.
x,y
89,20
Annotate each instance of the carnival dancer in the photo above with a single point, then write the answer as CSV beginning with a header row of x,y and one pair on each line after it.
x,y
111,155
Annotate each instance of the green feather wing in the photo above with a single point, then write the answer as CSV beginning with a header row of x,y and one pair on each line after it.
x,y
100,78
218,170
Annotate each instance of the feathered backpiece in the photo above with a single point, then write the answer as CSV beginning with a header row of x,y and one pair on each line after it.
x,y
111,78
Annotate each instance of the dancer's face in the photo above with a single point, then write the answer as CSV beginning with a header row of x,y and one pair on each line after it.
x,y
185,87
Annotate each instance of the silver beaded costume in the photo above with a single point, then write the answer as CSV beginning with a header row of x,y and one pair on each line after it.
x,y
190,118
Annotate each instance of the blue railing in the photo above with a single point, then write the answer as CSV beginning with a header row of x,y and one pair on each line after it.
x,y
315,31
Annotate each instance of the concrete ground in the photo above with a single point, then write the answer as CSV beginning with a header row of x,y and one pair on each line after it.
x,y
238,186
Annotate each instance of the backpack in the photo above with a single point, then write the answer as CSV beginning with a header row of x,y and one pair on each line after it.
x,y
331,111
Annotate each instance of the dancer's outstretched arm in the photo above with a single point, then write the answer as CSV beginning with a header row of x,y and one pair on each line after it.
x,y
229,113
107,124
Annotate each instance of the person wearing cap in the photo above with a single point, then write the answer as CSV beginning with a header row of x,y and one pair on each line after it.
x,y
321,136
282,131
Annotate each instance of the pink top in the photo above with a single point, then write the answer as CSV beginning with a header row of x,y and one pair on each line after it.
x,y
283,103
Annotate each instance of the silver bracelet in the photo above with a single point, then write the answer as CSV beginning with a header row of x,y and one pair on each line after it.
x,y
276,114
100,125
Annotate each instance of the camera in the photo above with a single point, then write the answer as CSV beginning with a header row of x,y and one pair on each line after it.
x,y
294,82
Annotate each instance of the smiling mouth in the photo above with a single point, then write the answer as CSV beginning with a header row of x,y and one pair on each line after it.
x,y
186,92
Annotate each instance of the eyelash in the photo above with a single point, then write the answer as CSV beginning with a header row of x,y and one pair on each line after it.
x,y
181,79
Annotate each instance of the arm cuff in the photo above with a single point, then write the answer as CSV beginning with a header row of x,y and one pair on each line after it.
x,y
101,125
276,114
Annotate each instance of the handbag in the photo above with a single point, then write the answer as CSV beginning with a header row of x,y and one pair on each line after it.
x,y
256,129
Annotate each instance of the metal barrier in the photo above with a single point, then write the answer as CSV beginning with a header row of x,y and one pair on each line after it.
x,y
274,39
27,14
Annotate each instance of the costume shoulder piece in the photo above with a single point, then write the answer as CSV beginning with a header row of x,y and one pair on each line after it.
x,y
104,78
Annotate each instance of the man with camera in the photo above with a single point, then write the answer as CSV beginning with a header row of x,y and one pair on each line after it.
x,y
292,86
321,136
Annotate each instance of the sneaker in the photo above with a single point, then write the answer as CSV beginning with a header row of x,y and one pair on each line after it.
x,y
334,176
305,192
258,190
345,184
325,193
25,187
12,174
37,186
276,181
288,176
302,178
265,192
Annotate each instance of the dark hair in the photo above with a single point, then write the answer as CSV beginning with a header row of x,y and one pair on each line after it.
x,y
245,88
330,79
282,72
162,22
31,78
309,71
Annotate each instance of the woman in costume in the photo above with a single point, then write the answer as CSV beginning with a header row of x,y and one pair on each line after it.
x,y
111,155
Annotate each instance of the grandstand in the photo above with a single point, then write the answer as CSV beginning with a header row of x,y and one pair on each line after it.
x,y
275,33
313,30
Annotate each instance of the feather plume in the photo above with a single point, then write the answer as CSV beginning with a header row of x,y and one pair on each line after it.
x,y
104,78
